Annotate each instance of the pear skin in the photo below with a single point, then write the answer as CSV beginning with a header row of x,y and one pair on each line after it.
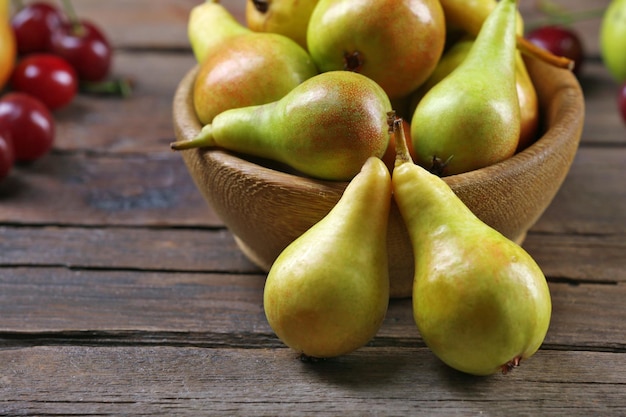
x,y
325,127
469,15
247,70
480,301
287,17
208,25
471,118
327,293
526,93
397,43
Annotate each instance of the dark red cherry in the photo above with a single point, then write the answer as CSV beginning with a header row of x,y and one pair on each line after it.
x,y
85,47
33,26
560,41
48,77
7,154
28,123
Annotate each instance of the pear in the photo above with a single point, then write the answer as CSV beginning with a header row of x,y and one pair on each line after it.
x,y
327,293
480,301
254,68
287,17
526,92
397,43
471,118
325,127
208,25
469,16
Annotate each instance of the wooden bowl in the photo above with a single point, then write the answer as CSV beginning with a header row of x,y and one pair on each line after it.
x,y
266,208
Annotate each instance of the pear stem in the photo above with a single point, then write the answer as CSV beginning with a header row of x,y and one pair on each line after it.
x,y
202,140
528,48
402,151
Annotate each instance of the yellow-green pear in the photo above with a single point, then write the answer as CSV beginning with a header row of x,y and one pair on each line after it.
x,y
469,15
526,92
480,301
208,25
254,68
327,293
287,17
471,118
325,127
397,43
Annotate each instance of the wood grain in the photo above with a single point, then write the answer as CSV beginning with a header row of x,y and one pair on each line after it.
x,y
122,292
263,382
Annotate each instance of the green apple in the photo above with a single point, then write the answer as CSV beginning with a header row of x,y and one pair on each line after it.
x,y
613,39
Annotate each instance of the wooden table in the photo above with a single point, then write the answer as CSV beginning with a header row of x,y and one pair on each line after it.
x,y
122,293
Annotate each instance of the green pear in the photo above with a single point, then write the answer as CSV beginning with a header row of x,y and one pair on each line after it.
x,y
469,15
209,24
526,92
471,118
613,39
327,293
397,43
480,301
325,127
254,68
287,17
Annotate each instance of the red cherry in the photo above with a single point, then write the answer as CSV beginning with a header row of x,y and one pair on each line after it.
x,y
560,41
47,77
33,26
85,47
621,101
29,124
7,155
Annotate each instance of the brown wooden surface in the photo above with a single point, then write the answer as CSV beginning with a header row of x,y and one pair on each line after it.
x,y
121,292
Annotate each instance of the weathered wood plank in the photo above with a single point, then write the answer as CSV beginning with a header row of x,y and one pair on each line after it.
x,y
42,302
85,189
141,123
255,382
143,249
575,258
592,199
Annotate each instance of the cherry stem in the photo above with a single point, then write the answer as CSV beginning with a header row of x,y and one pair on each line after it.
x,y
18,4
556,17
122,87
528,48
77,26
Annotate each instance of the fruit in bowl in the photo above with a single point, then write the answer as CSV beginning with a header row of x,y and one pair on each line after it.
x,y
267,205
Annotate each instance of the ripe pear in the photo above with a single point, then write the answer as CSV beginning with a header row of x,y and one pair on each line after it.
x,y
526,92
471,118
327,293
287,17
251,69
480,301
469,16
397,43
209,24
325,127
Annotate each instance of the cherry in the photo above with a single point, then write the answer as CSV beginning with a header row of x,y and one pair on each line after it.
x,y
85,47
48,77
621,101
29,124
560,41
7,155
33,26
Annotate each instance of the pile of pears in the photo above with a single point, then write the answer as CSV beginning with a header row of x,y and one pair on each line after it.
x,y
388,96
